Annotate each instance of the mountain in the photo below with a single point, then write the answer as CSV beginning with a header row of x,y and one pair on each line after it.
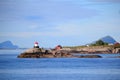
x,y
108,39
8,44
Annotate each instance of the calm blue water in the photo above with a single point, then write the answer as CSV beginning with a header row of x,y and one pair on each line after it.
x,y
13,68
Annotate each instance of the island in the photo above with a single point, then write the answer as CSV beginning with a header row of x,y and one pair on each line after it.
x,y
69,52
57,52
106,45
41,53
8,45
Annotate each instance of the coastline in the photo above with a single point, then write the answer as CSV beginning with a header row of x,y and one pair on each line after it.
x,y
93,49
69,52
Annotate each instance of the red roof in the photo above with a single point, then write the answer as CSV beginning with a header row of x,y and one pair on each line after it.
x,y
36,43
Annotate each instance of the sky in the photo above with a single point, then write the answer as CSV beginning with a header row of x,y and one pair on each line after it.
x,y
53,22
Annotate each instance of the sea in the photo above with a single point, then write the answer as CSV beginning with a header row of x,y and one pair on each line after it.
x,y
13,68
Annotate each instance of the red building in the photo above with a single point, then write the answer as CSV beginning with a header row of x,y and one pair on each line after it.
x,y
58,47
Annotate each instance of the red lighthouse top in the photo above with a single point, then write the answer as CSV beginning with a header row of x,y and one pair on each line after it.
x,y
36,43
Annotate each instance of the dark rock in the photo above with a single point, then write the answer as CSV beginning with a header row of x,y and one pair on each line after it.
x,y
89,56
74,51
36,46
29,55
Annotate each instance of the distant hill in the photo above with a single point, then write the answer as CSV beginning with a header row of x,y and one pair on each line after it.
x,y
108,39
8,44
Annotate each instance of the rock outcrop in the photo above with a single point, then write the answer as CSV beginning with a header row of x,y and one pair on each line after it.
x,y
116,50
95,50
41,53
89,56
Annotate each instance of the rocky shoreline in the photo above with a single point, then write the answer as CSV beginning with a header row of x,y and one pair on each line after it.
x,y
94,50
38,53
68,52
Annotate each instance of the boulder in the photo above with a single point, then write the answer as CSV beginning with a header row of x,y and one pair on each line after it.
x,y
33,50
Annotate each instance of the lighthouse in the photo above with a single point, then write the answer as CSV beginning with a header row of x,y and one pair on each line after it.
x,y
36,45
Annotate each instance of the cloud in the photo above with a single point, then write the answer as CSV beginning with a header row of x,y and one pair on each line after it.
x,y
33,17
33,26
44,10
60,30
67,29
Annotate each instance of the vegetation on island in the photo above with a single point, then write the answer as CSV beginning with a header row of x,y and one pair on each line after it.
x,y
99,43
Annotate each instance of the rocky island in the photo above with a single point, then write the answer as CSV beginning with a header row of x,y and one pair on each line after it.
x,y
41,53
69,52
91,51
58,52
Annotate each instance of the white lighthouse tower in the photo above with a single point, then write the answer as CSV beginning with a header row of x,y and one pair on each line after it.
x,y
36,45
